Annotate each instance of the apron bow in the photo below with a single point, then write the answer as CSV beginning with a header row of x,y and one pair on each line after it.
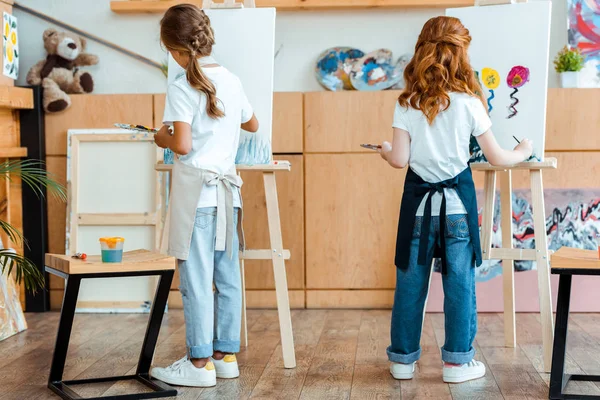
x,y
430,189
224,184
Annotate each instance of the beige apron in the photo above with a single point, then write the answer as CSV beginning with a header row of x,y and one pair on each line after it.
x,y
186,187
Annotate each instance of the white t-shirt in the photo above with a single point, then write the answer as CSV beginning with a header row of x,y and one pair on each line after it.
x,y
440,151
214,141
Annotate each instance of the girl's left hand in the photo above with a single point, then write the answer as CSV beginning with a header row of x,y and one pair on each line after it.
x,y
163,137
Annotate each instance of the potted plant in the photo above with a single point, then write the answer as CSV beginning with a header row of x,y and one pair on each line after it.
x,y
568,63
33,174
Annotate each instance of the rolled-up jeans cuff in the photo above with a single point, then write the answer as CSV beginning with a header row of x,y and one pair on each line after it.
x,y
457,358
202,351
227,346
403,358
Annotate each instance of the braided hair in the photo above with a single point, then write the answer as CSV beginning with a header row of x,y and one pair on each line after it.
x,y
186,28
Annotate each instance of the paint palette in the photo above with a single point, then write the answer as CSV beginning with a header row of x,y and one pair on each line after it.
x,y
334,65
137,128
375,71
401,64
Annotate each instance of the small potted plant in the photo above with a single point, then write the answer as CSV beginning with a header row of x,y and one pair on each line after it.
x,y
568,63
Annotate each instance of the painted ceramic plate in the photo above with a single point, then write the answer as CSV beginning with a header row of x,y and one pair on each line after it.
x,y
399,68
375,71
334,65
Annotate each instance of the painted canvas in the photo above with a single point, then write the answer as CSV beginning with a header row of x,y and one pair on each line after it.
x,y
572,219
245,45
510,56
10,46
584,33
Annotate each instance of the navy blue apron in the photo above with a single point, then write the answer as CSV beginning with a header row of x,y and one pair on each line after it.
x,y
415,188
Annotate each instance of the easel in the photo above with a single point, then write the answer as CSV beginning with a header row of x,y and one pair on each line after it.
x,y
507,254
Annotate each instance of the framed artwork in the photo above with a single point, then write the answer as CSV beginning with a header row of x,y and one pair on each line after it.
x,y
10,46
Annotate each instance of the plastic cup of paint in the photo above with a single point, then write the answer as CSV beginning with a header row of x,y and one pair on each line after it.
x,y
112,249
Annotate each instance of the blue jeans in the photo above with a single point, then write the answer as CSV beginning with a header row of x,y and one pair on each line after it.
x,y
460,309
212,320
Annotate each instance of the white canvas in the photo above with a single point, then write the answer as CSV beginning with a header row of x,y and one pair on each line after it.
x,y
115,177
506,36
245,45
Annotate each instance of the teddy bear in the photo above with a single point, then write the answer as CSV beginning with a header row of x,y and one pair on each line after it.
x,y
59,73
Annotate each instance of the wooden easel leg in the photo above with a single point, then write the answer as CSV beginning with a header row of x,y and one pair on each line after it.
x,y
508,270
281,288
487,221
244,332
543,268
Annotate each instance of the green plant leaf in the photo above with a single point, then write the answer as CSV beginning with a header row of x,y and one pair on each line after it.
x,y
13,233
25,270
14,25
568,60
34,175
16,54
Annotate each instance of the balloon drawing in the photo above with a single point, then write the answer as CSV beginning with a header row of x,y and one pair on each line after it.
x,y
517,77
491,80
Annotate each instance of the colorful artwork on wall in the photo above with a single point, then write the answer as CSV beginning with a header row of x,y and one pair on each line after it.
x,y
375,71
12,319
584,33
10,46
334,65
572,219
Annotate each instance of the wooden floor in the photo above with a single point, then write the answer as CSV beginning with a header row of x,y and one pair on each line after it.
x,y
340,354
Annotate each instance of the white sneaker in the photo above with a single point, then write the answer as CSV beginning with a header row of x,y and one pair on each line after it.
x,y
184,373
402,371
227,368
466,372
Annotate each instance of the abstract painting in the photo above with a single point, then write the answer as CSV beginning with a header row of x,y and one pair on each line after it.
x,y
572,219
584,33
10,46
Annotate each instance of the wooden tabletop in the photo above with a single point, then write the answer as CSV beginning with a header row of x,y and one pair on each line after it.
x,y
570,258
133,261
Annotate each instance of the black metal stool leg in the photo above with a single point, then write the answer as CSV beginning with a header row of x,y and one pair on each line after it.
x,y
156,316
557,375
65,325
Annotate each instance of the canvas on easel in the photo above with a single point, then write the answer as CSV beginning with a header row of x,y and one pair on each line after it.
x,y
245,45
510,57
509,52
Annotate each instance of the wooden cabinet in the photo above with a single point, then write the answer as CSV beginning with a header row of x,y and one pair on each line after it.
x,y
352,208
341,121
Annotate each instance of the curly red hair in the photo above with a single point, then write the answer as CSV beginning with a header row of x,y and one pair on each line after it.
x,y
440,65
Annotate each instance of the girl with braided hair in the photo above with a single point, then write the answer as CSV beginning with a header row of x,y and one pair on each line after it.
x,y
206,107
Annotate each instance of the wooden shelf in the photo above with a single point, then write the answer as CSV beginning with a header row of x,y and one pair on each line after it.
x,y
13,152
15,97
156,6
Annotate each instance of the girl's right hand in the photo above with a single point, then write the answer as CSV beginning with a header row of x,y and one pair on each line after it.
x,y
525,148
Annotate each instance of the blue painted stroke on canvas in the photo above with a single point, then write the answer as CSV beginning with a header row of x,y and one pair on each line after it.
x,y
253,149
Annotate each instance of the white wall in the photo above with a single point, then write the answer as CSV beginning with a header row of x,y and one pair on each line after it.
x,y
300,36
